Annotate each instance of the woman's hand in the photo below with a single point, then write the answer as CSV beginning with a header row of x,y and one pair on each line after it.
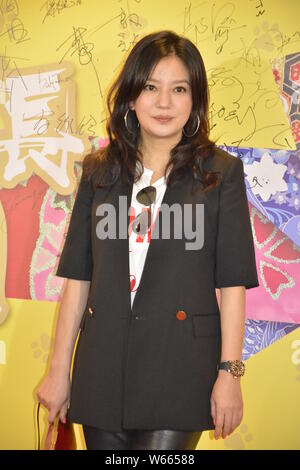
x,y
226,404
54,394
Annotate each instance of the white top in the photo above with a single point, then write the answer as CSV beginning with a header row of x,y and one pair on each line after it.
x,y
139,243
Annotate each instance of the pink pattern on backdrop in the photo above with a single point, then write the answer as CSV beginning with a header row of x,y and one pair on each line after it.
x,y
45,285
277,261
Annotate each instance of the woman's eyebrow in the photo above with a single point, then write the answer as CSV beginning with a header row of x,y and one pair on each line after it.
x,y
174,81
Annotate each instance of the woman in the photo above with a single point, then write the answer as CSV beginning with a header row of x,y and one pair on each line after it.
x,y
147,371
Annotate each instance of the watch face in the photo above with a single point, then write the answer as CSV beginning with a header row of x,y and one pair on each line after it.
x,y
237,368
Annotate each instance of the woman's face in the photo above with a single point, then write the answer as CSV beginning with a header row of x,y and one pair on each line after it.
x,y
167,93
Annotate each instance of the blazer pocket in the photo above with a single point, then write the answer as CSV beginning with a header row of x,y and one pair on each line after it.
x,y
206,325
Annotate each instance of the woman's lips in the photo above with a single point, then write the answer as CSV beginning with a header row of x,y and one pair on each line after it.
x,y
163,120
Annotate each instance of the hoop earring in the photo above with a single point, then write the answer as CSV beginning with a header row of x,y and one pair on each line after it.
x,y
125,119
198,124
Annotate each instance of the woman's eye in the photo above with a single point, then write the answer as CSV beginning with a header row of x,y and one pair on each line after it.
x,y
152,86
181,87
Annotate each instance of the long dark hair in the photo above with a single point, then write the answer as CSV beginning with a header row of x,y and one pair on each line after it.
x,y
119,157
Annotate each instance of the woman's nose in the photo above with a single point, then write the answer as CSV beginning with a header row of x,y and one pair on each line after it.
x,y
164,98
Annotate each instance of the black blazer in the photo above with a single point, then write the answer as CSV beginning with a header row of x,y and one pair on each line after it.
x,y
151,367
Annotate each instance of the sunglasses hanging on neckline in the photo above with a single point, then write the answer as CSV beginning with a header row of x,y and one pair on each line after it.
x,y
142,222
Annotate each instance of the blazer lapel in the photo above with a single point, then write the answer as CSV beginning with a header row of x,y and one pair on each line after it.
x,y
172,195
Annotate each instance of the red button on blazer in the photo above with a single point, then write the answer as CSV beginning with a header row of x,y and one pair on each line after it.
x,y
181,315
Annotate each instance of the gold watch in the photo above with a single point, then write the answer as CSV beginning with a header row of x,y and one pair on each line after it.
x,y
236,368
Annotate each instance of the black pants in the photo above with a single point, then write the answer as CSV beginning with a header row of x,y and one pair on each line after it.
x,y
98,439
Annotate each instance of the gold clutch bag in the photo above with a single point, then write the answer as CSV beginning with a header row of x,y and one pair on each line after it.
x,y
60,436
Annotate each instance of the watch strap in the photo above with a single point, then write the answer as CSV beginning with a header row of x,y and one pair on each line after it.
x,y
225,365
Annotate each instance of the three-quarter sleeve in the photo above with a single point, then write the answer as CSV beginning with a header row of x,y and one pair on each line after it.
x,y
76,257
235,263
